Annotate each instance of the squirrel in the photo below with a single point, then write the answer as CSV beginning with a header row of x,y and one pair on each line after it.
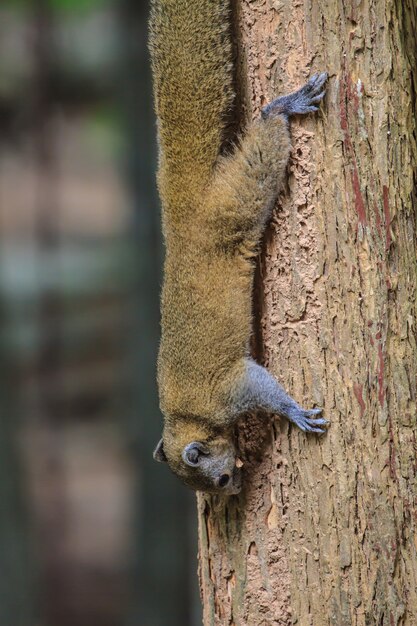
x,y
214,210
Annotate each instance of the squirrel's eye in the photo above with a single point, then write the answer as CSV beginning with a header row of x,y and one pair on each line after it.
x,y
223,480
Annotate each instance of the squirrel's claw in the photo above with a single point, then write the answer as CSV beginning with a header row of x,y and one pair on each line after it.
x,y
304,420
301,101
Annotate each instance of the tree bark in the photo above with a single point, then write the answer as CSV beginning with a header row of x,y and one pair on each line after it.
x,y
324,532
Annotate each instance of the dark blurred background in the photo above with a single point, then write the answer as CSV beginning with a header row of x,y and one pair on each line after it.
x,y
92,531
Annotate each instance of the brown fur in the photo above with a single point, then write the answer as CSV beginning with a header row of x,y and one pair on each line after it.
x,y
214,211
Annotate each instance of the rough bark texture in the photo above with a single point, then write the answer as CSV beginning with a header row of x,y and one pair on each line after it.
x,y
324,532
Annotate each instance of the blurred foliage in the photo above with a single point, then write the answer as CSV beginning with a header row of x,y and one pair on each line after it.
x,y
80,271
69,6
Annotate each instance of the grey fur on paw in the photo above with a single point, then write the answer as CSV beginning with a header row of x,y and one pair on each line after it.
x,y
302,101
315,84
306,420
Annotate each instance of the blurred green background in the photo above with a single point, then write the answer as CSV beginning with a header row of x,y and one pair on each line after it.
x,y
92,531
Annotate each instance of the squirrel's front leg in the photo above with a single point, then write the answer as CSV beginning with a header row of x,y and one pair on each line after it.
x,y
257,390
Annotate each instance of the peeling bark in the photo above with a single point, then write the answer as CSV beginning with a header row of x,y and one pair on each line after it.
x,y
324,532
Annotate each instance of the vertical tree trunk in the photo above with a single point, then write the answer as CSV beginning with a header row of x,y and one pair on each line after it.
x,y
324,532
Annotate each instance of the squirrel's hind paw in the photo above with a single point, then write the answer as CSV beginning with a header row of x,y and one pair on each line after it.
x,y
301,101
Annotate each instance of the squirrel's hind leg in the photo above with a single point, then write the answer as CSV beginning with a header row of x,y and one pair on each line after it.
x,y
246,184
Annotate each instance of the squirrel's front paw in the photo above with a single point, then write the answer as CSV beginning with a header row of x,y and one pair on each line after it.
x,y
304,100
305,420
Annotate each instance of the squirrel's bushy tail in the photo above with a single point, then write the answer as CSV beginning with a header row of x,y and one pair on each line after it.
x,y
191,49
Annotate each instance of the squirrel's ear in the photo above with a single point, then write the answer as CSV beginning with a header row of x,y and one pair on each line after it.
x,y
193,453
159,453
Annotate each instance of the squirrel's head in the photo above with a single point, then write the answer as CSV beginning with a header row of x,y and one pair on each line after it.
x,y
209,465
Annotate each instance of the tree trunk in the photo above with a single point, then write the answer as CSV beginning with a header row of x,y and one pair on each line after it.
x,y
324,532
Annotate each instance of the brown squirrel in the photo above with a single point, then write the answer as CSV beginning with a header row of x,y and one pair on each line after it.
x,y
215,208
